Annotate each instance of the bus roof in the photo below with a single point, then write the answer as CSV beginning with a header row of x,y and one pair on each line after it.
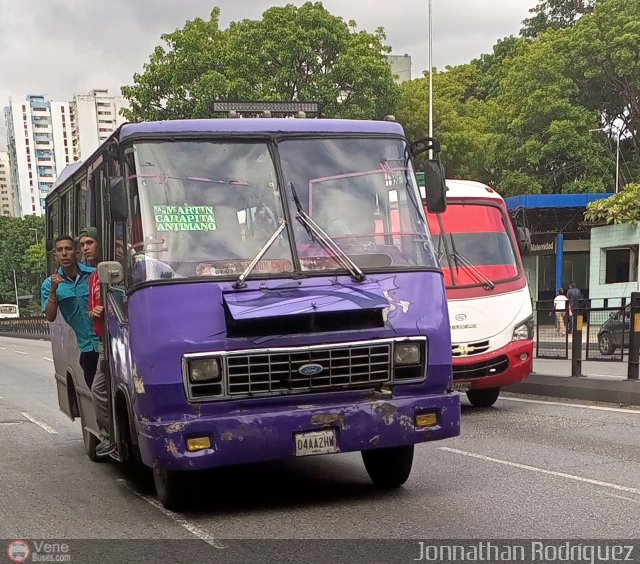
x,y
470,189
261,125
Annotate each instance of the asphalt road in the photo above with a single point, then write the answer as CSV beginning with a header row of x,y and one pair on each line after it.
x,y
527,468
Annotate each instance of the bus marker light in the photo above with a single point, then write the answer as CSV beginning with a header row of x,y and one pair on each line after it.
x,y
198,443
524,356
427,420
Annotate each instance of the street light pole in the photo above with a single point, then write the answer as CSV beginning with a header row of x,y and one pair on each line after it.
x,y
430,80
617,161
617,155
15,286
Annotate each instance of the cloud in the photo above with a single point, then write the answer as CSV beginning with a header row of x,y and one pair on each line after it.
x,y
64,47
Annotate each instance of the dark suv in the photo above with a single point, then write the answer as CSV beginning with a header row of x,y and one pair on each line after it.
x,y
614,332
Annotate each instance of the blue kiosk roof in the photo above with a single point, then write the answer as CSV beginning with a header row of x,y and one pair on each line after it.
x,y
553,201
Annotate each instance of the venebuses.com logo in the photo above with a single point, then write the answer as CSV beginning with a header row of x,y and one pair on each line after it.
x,y
18,551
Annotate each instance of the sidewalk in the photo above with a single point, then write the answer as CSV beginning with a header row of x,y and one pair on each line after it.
x,y
601,381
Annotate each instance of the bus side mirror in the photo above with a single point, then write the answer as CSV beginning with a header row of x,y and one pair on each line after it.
x,y
50,246
435,186
118,198
110,273
524,240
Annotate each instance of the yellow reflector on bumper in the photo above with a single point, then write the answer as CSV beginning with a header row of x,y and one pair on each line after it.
x,y
200,443
427,420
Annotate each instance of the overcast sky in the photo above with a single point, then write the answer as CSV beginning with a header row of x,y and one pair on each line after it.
x,y
64,47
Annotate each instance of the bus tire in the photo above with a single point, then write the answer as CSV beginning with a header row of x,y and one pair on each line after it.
x,y
388,467
168,487
483,398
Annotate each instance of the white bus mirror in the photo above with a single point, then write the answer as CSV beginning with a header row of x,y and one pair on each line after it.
x,y
110,272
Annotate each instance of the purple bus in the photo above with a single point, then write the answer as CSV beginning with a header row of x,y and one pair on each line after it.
x,y
261,304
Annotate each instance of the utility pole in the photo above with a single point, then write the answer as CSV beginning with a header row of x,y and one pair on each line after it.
x,y
15,286
430,79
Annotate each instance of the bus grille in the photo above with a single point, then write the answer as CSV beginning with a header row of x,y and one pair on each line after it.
x,y
479,369
468,349
279,372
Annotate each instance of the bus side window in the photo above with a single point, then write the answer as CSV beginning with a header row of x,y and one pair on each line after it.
x,y
81,203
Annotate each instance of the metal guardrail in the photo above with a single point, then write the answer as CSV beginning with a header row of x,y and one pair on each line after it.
x,y
31,327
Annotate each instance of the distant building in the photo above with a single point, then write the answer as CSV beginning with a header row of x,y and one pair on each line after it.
x,y
39,147
94,117
400,67
7,200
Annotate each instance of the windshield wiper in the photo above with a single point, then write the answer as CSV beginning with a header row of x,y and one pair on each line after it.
x,y
463,261
316,233
239,283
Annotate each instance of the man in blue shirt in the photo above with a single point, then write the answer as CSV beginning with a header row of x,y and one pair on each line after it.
x,y
68,290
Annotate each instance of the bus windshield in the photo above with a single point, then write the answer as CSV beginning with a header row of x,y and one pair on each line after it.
x,y
473,245
204,209
207,208
362,193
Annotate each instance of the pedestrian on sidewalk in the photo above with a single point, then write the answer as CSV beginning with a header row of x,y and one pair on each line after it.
x,y
560,306
574,295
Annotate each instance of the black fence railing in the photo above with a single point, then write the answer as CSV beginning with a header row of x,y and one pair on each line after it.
x,y
33,327
605,331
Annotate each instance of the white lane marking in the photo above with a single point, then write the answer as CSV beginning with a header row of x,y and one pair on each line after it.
x,y
600,483
576,405
19,352
47,358
3,348
193,529
39,423
621,497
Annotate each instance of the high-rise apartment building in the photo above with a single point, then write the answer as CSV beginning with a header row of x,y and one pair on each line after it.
x,y
400,67
94,117
7,201
39,144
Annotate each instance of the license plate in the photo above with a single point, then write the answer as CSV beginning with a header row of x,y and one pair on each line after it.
x,y
461,386
316,442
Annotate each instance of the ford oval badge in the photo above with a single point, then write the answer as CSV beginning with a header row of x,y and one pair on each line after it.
x,y
461,317
310,369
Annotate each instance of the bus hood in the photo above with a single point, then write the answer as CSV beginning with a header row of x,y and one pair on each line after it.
x,y
269,303
478,319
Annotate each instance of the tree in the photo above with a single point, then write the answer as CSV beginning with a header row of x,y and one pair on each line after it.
x,y
545,126
619,208
555,14
603,62
459,120
19,252
293,53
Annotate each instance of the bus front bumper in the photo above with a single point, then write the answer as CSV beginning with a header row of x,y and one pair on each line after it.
x,y
253,436
508,365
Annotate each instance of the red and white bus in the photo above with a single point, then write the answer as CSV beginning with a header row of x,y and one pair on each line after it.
x,y
490,307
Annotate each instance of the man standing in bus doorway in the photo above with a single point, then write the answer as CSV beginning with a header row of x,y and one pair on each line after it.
x,y
68,290
90,246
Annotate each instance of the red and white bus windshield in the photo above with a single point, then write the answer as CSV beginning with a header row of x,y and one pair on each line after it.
x,y
474,245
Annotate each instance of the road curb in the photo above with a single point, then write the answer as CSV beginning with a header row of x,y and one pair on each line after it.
x,y
590,388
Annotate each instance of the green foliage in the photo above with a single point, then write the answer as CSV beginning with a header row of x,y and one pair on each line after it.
x,y
293,53
619,208
555,14
19,252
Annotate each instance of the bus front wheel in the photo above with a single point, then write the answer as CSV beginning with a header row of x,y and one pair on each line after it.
x,y
388,467
483,398
168,487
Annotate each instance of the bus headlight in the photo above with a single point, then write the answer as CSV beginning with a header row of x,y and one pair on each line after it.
x,y
205,370
524,331
406,353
